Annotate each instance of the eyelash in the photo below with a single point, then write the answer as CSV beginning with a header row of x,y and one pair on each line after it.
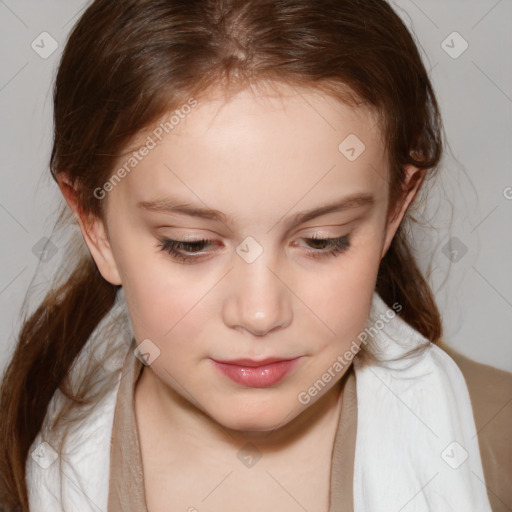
x,y
340,245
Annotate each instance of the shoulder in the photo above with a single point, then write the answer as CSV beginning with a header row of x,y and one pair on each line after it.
x,y
490,392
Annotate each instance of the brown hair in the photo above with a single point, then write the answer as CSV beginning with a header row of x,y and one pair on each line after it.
x,y
125,65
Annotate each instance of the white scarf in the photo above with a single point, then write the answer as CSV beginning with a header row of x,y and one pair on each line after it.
x,y
416,446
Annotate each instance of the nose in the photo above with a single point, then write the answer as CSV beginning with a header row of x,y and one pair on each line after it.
x,y
259,300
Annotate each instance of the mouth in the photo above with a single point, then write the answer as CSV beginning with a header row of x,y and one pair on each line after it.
x,y
256,374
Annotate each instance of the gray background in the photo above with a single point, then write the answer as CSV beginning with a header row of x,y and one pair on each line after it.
x,y
467,253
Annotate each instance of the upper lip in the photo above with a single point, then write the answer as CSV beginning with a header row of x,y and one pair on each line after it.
x,y
254,363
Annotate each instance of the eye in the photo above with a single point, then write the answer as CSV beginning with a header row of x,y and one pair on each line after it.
x,y
329,246
175,248
188,251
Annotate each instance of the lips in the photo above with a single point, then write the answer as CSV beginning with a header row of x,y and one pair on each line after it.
x,y
256,374
253,363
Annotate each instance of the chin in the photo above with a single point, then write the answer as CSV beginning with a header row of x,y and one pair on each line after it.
x,y
260,420
242,426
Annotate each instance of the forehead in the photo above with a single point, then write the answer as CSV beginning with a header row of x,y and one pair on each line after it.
x,y
304,112
261,147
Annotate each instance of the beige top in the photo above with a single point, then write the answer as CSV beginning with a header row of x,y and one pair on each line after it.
x,y
491,397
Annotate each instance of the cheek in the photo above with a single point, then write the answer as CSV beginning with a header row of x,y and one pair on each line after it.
x,y
159,311
167,316
342,297
346,281
160,295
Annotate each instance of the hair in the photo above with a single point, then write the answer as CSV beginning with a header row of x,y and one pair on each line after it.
x,y
128,63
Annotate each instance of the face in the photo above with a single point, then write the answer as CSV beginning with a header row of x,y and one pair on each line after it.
x,y
251,231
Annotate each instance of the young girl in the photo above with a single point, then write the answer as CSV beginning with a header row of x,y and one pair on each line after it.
x,y
247,328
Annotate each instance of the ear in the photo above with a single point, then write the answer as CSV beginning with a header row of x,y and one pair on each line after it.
x,y
94,233
413,179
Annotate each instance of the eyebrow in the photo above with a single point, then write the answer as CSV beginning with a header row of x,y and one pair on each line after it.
x,y
174,206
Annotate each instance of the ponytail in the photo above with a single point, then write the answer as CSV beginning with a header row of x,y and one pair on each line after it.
x,y
49,342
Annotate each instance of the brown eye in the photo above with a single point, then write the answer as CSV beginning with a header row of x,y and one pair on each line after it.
x,y
328,246
183,250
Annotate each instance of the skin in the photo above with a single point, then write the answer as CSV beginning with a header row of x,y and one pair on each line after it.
x,y
259,159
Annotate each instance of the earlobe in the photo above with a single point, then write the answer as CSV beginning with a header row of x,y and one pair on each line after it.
x,y
94,234
413,180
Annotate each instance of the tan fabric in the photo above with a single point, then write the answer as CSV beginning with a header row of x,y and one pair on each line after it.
x,y
491,396
126,485
342,464
490,391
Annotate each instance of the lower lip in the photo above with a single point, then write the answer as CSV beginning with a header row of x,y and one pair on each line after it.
x,y
259,376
